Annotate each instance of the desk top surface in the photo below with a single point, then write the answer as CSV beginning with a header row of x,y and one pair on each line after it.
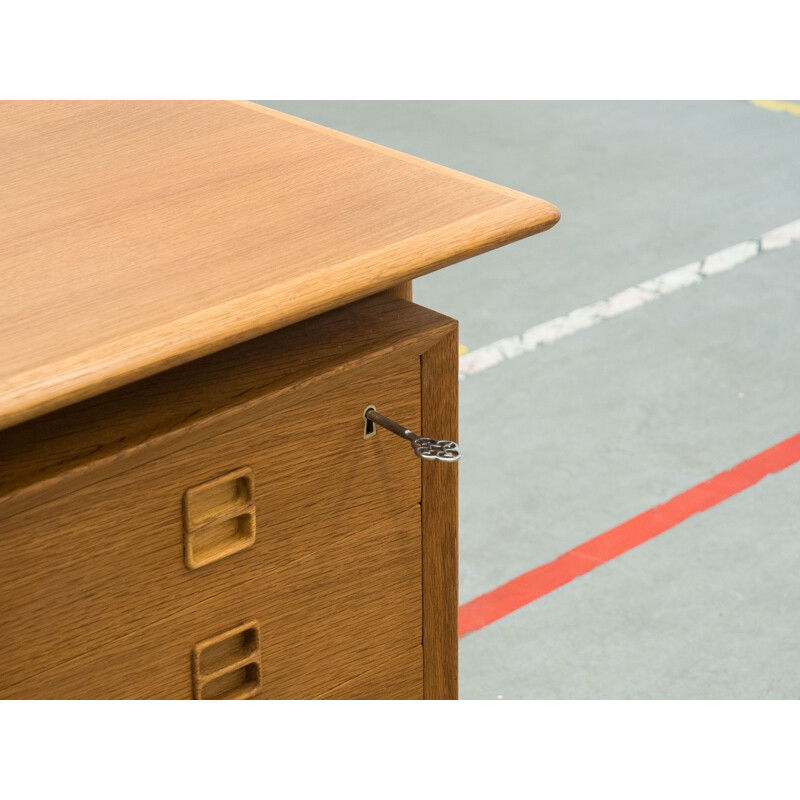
x,y
136,236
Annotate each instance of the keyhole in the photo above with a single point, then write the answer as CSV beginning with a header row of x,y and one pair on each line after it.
x,y
369,425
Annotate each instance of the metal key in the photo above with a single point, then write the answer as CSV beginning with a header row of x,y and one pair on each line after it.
x,y
424,447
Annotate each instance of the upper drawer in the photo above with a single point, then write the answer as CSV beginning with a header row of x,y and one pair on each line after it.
x,y
95,552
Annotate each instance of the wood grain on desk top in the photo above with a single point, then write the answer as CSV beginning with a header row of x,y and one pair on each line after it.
x,y
135,236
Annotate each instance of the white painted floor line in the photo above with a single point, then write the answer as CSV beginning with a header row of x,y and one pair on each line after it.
x,y
548,332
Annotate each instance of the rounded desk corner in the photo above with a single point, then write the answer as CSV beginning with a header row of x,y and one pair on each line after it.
x,y
542,215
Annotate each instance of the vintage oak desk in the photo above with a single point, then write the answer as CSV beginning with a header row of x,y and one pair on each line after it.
x,y
199,301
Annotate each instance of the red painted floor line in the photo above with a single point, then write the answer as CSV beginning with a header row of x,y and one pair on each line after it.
x,y
532,585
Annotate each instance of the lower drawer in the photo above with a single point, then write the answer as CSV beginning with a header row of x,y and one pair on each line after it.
x,y
398,679
323,620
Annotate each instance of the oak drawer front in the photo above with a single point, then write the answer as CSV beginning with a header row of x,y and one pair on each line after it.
x,y
398,679
107,561
324,622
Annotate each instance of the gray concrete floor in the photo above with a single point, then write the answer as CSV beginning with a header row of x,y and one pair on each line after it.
x,y
572,439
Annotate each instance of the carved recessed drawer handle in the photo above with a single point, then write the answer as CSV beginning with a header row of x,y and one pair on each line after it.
x,y
219,518
424,447
228,666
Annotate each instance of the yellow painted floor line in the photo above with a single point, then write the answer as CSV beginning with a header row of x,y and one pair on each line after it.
x,y
784,106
